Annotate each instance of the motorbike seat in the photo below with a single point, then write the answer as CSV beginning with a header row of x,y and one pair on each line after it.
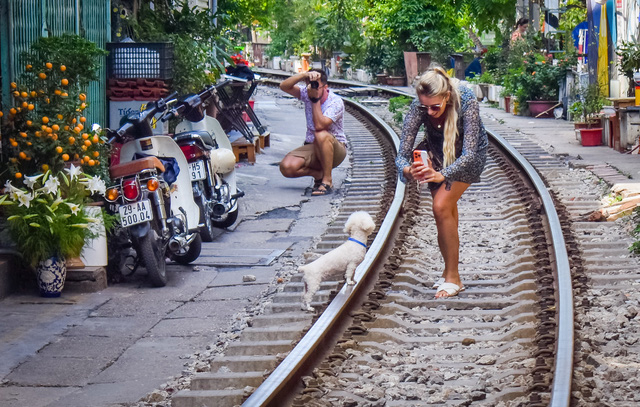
x,y
200,136
135,166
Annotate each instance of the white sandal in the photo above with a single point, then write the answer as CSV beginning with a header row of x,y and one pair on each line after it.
x,y
438,283
451,289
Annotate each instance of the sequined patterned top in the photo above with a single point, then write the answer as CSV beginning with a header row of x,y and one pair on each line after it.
x,y
471,143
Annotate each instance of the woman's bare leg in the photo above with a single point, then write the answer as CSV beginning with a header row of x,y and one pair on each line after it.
x,y
445,212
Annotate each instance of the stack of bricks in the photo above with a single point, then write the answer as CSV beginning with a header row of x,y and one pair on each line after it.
x,y
139,89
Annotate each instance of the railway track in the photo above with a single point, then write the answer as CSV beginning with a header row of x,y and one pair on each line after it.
x,y
391,343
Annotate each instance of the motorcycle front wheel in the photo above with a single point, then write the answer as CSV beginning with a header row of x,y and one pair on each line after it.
x,y
151,251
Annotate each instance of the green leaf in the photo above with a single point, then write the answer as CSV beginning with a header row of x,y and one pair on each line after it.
x,y
35,225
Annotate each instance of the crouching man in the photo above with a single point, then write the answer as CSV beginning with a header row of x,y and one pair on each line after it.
x,y
325,145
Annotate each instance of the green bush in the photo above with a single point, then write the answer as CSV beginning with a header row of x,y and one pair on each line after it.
x,y
399,107
635,247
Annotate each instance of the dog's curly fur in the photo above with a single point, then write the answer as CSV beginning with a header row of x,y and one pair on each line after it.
x,y
344,258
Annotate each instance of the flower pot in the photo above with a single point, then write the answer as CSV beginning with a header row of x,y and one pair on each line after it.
x,y
94,251
591,137
536,107
382,78
51,274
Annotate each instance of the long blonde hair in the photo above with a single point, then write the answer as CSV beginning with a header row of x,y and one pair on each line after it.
x,y
435,82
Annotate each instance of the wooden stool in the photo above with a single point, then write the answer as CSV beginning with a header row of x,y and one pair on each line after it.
x,y
265,140
243,146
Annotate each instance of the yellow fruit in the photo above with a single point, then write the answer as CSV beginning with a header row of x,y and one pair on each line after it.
x,y
23,134
13,111
45,167
31,106
42,75
77,129
55,127
65,157
29,122
1,114
16,94
92,163
84,148
57,92
22,155
13,143
45,119
96,139
38,133
18,175
85,136
74,120
76,156
81,126
54,136
29,66
49,65
83,119
24,94
64,82
82,97
25,105
34,93
63,68
66,128
48,130
85,158
87,143
14,85
64,94
58,149
29,143
96,154
72,140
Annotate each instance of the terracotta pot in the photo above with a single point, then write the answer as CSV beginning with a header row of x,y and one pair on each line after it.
x,y
591,137
538,106
382,78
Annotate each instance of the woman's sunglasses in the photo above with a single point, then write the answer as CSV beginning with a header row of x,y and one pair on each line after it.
x,y
433,108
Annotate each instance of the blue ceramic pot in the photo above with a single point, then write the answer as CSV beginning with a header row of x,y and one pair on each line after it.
x,y
51,274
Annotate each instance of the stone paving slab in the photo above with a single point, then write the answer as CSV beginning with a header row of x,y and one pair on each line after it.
x,y
56,371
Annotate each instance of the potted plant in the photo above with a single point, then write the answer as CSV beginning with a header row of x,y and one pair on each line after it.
x,y
48,223
55,161
629,53
591,101
538,86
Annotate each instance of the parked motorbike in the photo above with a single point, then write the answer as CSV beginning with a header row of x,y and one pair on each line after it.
x,y
152,194
211,161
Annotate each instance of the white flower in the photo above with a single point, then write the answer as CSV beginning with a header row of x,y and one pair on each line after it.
x,y
31,181
75,208
51,186
8,187
96,185
96,128
73,171
23,199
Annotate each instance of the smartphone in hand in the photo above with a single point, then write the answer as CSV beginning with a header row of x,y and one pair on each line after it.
x,y
421,156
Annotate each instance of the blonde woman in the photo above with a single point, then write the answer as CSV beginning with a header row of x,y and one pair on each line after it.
x,y
456,143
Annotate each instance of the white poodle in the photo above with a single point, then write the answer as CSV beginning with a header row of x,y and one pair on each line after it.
x,y
344,258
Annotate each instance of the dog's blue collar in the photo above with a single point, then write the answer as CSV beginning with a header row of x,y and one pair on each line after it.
x,y
359,242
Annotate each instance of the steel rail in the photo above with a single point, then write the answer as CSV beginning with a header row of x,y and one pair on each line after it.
x,y
563,363
278,379
563,370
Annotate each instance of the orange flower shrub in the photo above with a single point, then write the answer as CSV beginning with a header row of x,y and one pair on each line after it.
x,y
45,122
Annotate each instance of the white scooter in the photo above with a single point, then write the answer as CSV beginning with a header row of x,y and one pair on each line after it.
x,y
156,205
211,162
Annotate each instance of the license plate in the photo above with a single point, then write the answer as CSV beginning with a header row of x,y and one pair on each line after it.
x,y
196,169
135,213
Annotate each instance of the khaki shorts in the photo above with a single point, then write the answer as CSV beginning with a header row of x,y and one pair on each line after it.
x,y
308,154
